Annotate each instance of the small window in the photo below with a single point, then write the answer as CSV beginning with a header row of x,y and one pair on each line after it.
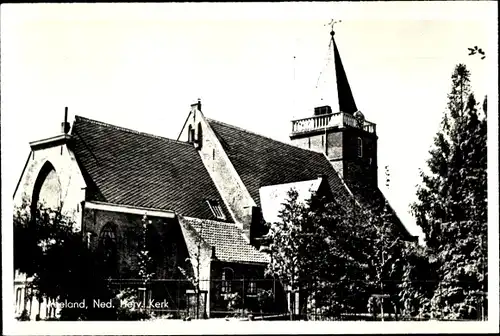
x,y
227,278
108,234
19,297
190,134
252,287
108,246
360,147
216,209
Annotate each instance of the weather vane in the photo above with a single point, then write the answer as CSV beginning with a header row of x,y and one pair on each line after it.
x,y
333,23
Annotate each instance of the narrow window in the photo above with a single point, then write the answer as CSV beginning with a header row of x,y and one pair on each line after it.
x,y
108,248
190,133
216,209
227,278
19,299
360,147
200,135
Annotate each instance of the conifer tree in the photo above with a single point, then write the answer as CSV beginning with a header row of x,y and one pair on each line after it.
x,y
451,206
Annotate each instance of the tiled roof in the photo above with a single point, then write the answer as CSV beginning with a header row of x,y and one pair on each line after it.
x,y
230,244
374,198
126,167
261,161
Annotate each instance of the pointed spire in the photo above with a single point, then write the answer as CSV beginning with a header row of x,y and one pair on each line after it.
x,y
337,91
346,101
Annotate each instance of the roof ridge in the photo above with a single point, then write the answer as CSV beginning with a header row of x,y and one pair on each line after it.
x,y
260,135
129,130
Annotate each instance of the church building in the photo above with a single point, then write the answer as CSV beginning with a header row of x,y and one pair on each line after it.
x,y
206,193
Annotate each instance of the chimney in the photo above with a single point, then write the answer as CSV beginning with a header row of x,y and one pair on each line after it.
x,y
322,176
256,227
196,106
321,110
65,126
213,257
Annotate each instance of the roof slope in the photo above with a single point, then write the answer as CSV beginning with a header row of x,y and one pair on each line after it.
x,y
127,167
228,240
344,93
261,161
373,198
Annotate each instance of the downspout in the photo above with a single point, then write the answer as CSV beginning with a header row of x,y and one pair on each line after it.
x,y
82,222
208,299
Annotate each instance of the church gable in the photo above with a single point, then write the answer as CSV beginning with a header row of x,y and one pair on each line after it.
x,y
52,178
198,132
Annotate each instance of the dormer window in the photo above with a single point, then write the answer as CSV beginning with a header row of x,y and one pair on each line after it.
x,y
216,209
360,147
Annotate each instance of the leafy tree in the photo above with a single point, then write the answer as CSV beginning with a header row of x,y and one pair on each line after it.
x,y
417,283
145,270
451,206
50,249
335,253
135,300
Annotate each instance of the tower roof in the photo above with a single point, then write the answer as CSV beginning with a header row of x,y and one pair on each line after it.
x,y
336,91
344,95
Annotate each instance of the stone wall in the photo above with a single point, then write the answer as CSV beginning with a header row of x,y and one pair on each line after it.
x,y
72,184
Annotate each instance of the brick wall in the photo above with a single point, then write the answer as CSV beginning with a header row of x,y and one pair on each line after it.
x,y
169,249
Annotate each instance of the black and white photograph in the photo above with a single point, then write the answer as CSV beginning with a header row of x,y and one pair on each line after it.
x,y
292,167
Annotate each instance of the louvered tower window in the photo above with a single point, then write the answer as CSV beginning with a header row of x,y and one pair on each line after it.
x,y
360,147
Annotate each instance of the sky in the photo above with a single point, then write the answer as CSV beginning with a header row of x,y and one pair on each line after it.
x,y
255,66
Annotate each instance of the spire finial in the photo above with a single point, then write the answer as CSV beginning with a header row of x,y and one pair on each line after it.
x,y
65,127
332,23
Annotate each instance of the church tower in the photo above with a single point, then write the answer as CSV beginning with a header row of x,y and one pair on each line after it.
x,y
341,131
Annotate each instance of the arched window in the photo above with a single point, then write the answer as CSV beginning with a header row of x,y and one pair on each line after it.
x,y
47,190
360,147
252,282
200,136
108,247
190,134
227,278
